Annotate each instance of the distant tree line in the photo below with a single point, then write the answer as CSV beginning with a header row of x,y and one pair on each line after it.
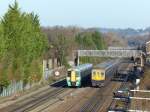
x,y
90,40
65,40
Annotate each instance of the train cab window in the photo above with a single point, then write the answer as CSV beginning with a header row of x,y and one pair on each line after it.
x,y
77,74
94,73
69,73
102,73
98,73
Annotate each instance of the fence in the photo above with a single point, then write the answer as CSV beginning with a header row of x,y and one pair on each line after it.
x,y
12,88
19,86
53,72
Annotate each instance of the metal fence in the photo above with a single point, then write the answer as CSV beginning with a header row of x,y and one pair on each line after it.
x,y
53,72
12,88
15,87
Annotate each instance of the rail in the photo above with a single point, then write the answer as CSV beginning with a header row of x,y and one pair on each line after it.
x,y
34,101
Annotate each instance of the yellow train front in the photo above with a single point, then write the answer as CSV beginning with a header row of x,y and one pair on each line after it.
x,y
98,77
102,73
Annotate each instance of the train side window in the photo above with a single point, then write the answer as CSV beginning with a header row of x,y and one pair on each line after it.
x,y
69,73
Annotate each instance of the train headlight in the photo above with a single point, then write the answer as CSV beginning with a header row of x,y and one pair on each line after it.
x,y
68,78
68,83
78,83
78,78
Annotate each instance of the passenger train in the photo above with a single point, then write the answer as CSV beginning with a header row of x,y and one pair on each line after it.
x,y
78,74
102,73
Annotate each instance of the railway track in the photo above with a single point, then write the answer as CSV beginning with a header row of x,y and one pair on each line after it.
x,y
35,103
73,107
95,102
32,102
121,101
49,104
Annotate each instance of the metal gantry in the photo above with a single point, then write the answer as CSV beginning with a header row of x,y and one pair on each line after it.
x,y
110,53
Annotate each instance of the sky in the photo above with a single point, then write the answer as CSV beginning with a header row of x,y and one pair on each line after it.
x,y
87,13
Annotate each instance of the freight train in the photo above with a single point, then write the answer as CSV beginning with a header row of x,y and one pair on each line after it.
x,y
78,74
102,73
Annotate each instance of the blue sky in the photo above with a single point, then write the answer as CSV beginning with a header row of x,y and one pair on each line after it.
x,y
87,13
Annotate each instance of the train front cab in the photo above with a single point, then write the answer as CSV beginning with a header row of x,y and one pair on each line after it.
x,y
98,77
73,78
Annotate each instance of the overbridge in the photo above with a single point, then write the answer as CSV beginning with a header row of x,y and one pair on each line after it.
x,y
110,53
113,54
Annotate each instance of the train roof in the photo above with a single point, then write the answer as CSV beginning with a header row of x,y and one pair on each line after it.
x,y
82,66
106,64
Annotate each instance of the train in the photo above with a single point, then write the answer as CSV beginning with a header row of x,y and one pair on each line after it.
x,y
77,75
102,73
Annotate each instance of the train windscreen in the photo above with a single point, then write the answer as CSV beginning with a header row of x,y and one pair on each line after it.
x,y
69,74
102,74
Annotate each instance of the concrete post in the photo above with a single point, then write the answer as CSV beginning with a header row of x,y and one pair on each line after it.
x,y
142,61
55,62
44,67
78,60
